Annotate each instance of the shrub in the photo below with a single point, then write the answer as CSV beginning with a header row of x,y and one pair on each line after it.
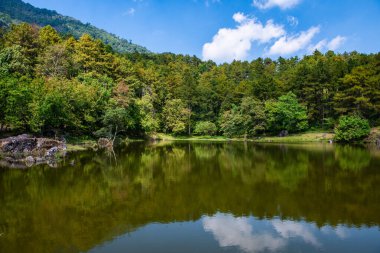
x,y
286,114
351,128
205,128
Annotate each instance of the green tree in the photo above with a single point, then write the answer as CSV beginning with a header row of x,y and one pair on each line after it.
x,y
231,122
175,116
253,116
352,128
205,128
149,119
17,110
55,61
286,114
48,36
116,120
66,105
92,56
13,61
360,91
25,36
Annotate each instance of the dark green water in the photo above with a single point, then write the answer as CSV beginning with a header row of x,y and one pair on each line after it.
x,y
196,197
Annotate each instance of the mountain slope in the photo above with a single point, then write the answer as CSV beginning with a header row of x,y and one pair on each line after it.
x,y
15,11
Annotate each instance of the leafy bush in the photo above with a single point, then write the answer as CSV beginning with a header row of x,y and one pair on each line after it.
x,y
286,114
351,128
205,128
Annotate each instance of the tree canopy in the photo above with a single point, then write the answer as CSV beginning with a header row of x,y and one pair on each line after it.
x,y
81,86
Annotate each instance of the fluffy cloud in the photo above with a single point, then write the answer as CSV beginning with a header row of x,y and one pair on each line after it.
x,y
289,229
336,43
283,4
287,45
322,45
235,44
230,231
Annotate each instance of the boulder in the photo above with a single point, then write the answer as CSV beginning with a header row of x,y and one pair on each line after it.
x,y
51,152
30,161
283,133
29,150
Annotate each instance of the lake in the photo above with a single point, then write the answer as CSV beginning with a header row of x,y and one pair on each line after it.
x,y
196,197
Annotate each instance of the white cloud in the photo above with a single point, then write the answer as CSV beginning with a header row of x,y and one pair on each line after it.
x,y
287,45
323,45
293,21
319,46
234,44
340,231
230,231
289,229
336,42
283,4
239,17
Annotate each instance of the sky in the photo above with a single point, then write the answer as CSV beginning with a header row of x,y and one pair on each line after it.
x,y
227,30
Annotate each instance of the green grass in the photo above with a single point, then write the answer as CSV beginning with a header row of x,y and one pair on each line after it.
x,y
80,143
167,137
298,138
295,138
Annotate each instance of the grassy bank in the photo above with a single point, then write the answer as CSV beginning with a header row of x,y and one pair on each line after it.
x,y
80,143
295,138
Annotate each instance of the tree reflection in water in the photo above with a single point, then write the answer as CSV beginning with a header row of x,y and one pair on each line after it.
x,y
85,203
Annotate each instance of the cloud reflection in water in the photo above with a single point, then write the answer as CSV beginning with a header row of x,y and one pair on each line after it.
x,y
239,232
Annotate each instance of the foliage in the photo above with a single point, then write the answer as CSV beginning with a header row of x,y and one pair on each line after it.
x,y
352,128
50,83
149,121
286,114
231,122
175,116
205,128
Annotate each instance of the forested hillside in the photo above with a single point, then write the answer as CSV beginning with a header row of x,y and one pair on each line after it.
x,y
16,11
53,84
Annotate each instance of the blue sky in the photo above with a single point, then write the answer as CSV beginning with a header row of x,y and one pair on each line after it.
x,y
223,30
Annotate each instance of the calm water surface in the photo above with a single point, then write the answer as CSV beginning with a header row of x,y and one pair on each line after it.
x,y
196,197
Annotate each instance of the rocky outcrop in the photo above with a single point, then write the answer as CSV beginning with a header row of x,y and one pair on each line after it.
x,y
26,150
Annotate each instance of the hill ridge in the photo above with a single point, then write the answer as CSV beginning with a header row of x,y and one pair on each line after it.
x,y
16,11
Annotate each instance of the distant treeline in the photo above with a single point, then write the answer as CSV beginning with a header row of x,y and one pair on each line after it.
x,y
82,87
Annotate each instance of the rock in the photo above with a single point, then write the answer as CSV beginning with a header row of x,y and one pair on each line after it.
x,y
29,161
28,150
51,152
283,133
40,160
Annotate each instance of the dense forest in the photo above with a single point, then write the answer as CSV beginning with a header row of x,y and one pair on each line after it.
x,y
53,84
16,11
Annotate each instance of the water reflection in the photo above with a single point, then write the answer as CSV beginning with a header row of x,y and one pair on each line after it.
x,y
250,235
302,193
231,231
291,229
